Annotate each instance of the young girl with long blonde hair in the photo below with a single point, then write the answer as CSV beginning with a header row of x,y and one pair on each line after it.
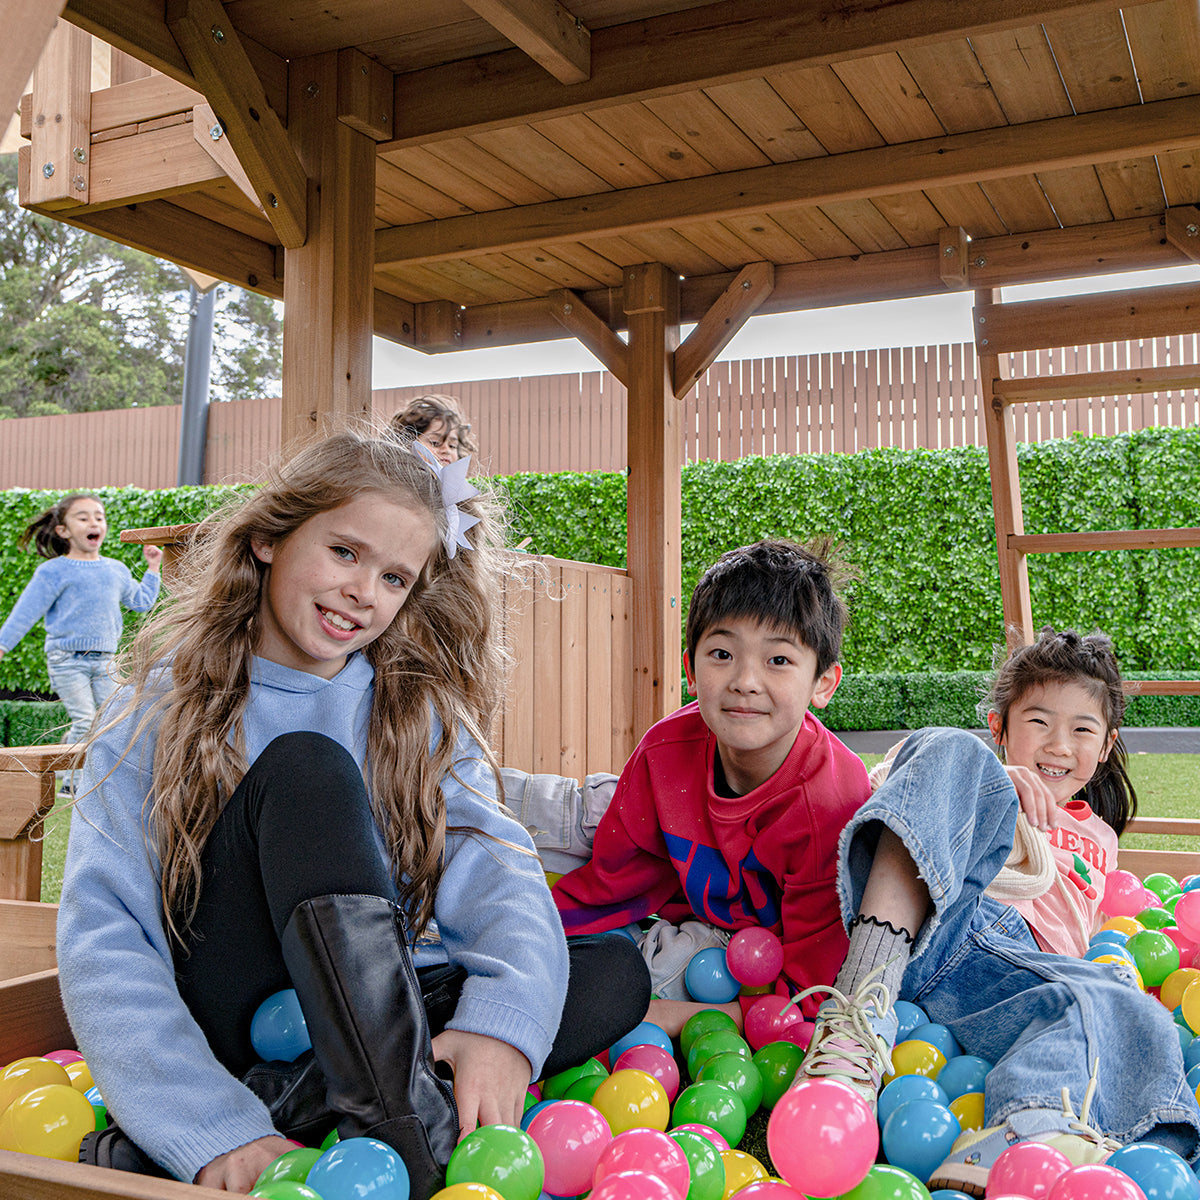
x,y
297,794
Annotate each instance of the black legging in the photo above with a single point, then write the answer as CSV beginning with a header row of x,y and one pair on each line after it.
x,y
298,826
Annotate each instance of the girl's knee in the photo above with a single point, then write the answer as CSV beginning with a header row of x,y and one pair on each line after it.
x,y
317,756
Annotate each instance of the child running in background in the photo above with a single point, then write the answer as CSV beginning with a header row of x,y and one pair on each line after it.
x,y
80,594
436,421
296,793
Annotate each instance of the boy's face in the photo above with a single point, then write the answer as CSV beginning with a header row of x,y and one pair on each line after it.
x,y
754,683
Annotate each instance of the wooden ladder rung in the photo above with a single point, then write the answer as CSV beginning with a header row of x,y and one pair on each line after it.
x,y
1037,389
1106,539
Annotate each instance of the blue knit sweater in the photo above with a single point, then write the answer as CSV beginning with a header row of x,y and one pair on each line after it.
x,y
494,915
81,600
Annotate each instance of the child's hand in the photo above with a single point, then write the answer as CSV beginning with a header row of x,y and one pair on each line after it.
x,y
236,1170
490,1078
1036,799
153,556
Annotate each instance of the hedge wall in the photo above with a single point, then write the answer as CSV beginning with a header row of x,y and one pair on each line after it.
x,y
915,526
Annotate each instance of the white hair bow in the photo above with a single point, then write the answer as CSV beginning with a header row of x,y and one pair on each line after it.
x,y
455,489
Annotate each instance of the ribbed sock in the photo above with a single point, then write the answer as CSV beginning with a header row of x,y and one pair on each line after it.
x,y
875,943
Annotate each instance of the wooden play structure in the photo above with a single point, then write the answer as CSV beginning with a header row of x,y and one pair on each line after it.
x,y
453,174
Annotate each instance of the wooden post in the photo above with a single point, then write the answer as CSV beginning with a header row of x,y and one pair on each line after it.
x,y
654,522
27,25
1006,483
328,288
61,137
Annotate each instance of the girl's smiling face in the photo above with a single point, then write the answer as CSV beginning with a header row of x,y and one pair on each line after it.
x,y
83,528
1057,730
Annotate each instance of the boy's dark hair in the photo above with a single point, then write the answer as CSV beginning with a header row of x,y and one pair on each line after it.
x,y
1068,657
779,584
42,530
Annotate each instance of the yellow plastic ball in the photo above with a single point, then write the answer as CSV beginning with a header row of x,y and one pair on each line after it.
x,y
1189,1002
80,1075
968,1108
552,877
741,1169
1118,960
629,1099
915,1057
1175,984
468,1191
49,1121
24,1074
1126,925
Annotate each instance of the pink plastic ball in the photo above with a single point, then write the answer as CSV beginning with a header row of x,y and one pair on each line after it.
x,y
769,1189
767,1020
1027,1169
754,956
1095,1181
1187,915
656,1062
647,1150
633,1185
706,1131
799,1034
571,1136
822,1137
1124,895
62,1057
1186,943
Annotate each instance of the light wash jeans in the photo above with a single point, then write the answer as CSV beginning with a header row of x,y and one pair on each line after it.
x,y
1044,1020
83,680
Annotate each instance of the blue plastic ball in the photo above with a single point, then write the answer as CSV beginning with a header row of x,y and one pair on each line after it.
x,y
904,1088
910,1016
278,1030
949,1194
939,1036
1192,1077
1094,951
1185,1038
358,1167
1191,1055
918,1135
533,1110
645,1034
708,979
963,1074
1113,936
1159,1172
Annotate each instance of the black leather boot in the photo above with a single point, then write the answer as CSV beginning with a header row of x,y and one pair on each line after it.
x,y
350,965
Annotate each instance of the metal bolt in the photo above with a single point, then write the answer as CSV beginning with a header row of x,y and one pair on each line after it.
x,y
983,341
80,183
1193,230
981,261
983,320
567,308
79,154
745,285
313,89
272,200
949,251
218,34
215,132
363,70
48,170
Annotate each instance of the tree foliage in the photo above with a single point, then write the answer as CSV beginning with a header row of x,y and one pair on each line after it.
x,y
89,324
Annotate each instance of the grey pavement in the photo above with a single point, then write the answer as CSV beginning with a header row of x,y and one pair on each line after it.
x,y
1138,740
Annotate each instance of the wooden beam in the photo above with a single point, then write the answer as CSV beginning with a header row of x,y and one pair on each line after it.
x,y
736,304
690,50
148,98
209,135
328,292
1037,389
654,523
1163,687
1086,139
364,99
27,25
544,30
953,249
227,77
569,311
437,326
1107,539
61,136
124,68
1183,230
1081,320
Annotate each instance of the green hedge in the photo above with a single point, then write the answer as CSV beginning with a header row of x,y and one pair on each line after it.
x,y
32,722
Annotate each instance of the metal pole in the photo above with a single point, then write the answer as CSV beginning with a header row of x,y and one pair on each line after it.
x,y
197,367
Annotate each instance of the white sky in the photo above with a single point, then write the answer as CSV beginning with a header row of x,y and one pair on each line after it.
x,y
927,320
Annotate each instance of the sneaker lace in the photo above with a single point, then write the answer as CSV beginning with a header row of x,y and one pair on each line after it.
x,y
845,1037
1080,1124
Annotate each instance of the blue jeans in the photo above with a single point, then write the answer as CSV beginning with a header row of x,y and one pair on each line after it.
x,y
1044,1020
83,680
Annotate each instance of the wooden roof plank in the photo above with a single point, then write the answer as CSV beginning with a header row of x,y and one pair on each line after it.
x,y
1021,203
546,31
1180,171
416,176
558,270
696,118
767,238
966,204
824,104
493,171
955,85
1021,72
864,224
579,136
1164,40
1131,187
912,216
892,100
642,133
1076,195
759,111
1093,60
541,160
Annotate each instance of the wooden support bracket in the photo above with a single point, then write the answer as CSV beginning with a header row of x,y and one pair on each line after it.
x,y
210,134
953,257
364,94
546,31
595,335
216,56
1183,230
437,325
61,136
735,305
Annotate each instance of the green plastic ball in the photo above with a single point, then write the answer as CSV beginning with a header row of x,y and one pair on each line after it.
x,y
720,1041
777,1063
708,1020
704,1160
713,1104
885,1182
501,1156
293,1165
555,1088
1154,955
1155,917
1162,884
738,1073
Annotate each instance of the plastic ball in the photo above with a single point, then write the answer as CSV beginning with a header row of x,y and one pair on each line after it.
x,y
656,1062
705,1131
800,1034
1027,1169
1124,894
358,1166
62,1057
1154,954
93,1097
571,1137
1175,984
708,1020
769,1189
50,1121
741,1169
738,1073
467,1191
1159,1172
1187,946
630,1098
712,1103
767,1019
963,1074
885,1182
1106,950
1114,936
584,1089
278,1030
24,1074
1095,1181
704,1163
555,1088
295,1165
532,1111
712,1044
707,977
904,1088
910,1015
1154,917
754,956
646,1150
1162,885
912,1057
1125,925
284,1189
939,1036
822,1137
777,1064
633,1185
503,1157
968,1108
645,1034
918,1136
80,1075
